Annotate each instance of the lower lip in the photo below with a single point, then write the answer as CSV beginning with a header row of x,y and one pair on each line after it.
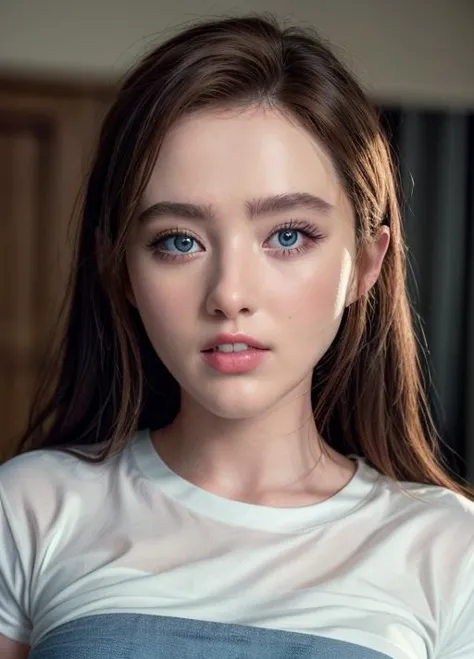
x,y
235,362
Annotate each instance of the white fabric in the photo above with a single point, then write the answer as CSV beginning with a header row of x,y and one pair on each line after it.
x,y
387,566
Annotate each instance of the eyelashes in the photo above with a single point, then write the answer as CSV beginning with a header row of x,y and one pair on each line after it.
x,y
180,244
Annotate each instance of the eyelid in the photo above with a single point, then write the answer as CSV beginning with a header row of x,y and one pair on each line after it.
x,y
305,227
176,231
170,233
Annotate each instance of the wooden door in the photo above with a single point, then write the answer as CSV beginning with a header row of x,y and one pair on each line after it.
x,y
47,135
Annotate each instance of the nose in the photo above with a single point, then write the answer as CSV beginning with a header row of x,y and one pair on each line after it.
x,y
232,285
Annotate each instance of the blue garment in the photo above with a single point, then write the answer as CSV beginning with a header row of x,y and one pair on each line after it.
x,y
137,636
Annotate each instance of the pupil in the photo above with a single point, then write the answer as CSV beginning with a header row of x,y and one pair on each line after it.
x,y
288,238
183,243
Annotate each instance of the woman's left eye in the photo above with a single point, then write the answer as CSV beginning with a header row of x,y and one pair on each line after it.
x,y
287,239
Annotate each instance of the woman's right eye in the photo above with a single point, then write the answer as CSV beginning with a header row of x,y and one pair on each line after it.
x,y
174,244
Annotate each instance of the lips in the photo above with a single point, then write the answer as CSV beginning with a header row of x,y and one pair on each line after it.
x,y
232,357
233,343
231,347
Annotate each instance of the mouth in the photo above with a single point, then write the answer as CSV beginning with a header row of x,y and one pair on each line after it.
x,y
227,343
233,347
234,355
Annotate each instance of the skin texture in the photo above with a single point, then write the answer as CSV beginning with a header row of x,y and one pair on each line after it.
x,y
250,436
12,649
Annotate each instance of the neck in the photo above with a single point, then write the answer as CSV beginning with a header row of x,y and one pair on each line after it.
x,y
277,451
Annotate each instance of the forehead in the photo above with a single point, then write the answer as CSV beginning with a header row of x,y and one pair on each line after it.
x,y
214,156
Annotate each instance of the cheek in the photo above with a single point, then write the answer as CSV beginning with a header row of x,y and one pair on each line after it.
x,y
162,304
323,290
343,278
317,300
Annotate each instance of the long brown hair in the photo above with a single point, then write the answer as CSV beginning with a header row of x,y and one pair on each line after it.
x,y
105,380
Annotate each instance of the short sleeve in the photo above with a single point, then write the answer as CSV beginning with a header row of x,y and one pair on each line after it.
x,y
14,623
458,639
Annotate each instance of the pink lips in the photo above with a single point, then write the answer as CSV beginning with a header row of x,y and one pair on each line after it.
x,y
242,361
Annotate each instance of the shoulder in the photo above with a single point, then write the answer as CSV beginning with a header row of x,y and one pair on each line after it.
x,y
429,503
433,501
31,475
437,534
43,467
425,540
34,464
416,504
37,486
432,522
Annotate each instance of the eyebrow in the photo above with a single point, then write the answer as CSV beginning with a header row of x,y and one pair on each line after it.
x,y
254,207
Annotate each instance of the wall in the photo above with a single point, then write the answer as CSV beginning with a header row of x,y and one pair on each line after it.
x,y
419,51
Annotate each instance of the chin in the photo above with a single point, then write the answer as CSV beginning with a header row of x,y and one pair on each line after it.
x,y
243,413
234,402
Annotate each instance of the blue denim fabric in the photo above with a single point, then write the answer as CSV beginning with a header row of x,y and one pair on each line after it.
x,y
138,636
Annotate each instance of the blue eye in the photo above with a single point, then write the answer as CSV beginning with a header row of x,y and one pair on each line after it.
x,y
178,243
288,237
285,238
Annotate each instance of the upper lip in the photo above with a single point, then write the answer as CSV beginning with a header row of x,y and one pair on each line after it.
x,y
221,339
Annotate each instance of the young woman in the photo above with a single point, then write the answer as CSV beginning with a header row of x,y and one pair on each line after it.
x,y
236,458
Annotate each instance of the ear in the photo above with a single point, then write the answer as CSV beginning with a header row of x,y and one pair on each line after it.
x,y
369,264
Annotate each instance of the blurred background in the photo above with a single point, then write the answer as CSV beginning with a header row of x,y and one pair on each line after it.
x,y
60,63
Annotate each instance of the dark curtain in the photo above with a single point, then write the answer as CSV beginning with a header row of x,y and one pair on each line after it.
x,y
435,153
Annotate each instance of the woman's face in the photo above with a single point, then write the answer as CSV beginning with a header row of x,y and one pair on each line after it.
x,y
244,228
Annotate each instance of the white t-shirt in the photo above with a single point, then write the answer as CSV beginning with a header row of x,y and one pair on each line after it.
x,y
128,559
